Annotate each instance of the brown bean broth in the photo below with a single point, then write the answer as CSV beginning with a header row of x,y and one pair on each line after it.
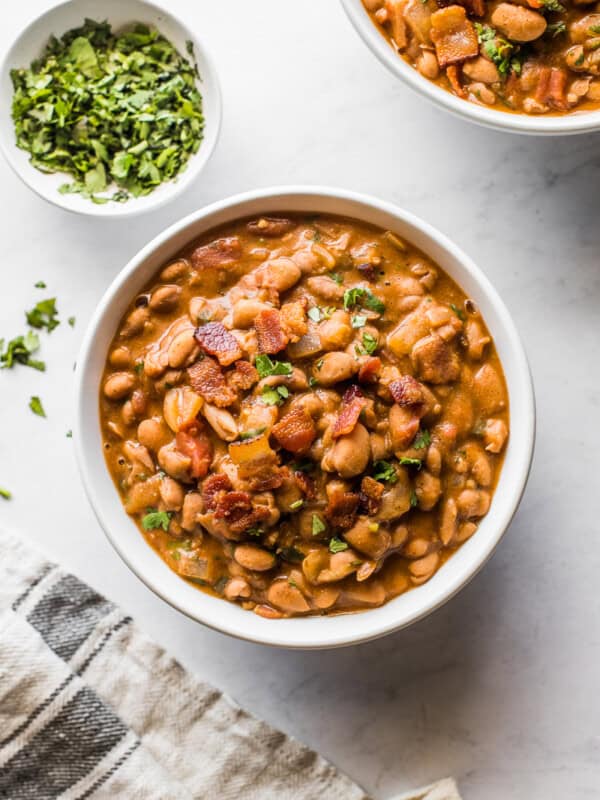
x,y
458,400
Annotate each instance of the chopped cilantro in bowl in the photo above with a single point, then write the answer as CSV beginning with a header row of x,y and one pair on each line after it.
x,y
111,110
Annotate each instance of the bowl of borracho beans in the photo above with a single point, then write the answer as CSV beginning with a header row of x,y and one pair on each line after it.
x,y
108,113
305,417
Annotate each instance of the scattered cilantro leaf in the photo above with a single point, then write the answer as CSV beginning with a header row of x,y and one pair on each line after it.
x,y
19,351
592,29
272,396
459,312
384,471
110,109
155,519
266,367
410,462
40,285
414,500
369,343
498,49
557,28
5,493
251,434
318,526
358,296
422,440
72,321
553,5
296,504
35,404
337,545
359,321
44,315
254,531
335,276
69,434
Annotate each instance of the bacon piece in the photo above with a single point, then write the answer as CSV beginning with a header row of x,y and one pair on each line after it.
x,y
404,424
407,391
271,336
198,448
243,376
295,431
341,509
266,479
220,253
551,88
453,35
453,73
369,370
207,379
213,489
370,495
237,510
293,319
353,403
215,339
306,484
271,227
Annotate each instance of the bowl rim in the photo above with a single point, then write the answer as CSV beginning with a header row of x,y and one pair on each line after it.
x,y
568,124
174,187
280,632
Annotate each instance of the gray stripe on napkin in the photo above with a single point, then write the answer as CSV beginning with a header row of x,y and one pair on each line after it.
x,y
63,751
67,615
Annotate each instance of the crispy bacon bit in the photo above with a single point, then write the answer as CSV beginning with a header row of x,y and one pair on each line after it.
x,y
369,370
215,339
219,253
370,495
270,227
453,74
341,509
266,480
237,510
295,431
293,319
407,391
212,490
206,378
198,448
551,88
353,403
271,336
453,35
243,376
306,484
368,270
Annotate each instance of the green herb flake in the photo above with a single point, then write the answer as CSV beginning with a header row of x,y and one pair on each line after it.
x,y
385,472
251,434
337,545
139,367
459,312
369,343
312,382
595,29
335,276
254,531
410,462
553,5
555,29
40,285
318,526
155,519
498,49
414,500
296,505
19,351
44,315
72,321
359,321
5,494
362,297
302,466
118,112
422,440
69,434
266,367
35,404
274,396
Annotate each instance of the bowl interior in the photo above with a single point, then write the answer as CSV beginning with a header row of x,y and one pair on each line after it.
x,y
316,631
575,122
30,45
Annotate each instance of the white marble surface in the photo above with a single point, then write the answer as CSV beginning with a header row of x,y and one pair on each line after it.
x,y
500,687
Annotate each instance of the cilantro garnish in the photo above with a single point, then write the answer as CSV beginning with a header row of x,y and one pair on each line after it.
x,y
109,109
337,545
251,434
266,367
410,462
296,505
40,285
35,404
274,396
72,321
318,526
155,519
43,315
422,440
557,28
335,276
553,5
459,312
384,471
5,494
359,321
414,500
362,297
19,351
499,50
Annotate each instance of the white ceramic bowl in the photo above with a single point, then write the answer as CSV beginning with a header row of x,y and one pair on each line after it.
x,y
312,632
576,122
30,45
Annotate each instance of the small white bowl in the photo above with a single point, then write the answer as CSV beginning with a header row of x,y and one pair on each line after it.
x,y
311,632
30,44
575,122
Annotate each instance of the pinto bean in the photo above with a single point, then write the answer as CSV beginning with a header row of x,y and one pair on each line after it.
x,y
254,558
171,494
428,489
427,64
320,566
182,347
488,389
175,271
368,537
518,23
120,358
221,421
245,311
434,360
350,454
165,298
334,367
370,593
481,69
473,503
403,426
175,463
119,385
477,339
423,568
418,548
448,519
153,433
279,274
237,587
395,501
193,505
135,322
282,594
336,332
495,434
325,288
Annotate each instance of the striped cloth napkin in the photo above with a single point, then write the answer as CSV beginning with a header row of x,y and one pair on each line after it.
x,y
91,708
